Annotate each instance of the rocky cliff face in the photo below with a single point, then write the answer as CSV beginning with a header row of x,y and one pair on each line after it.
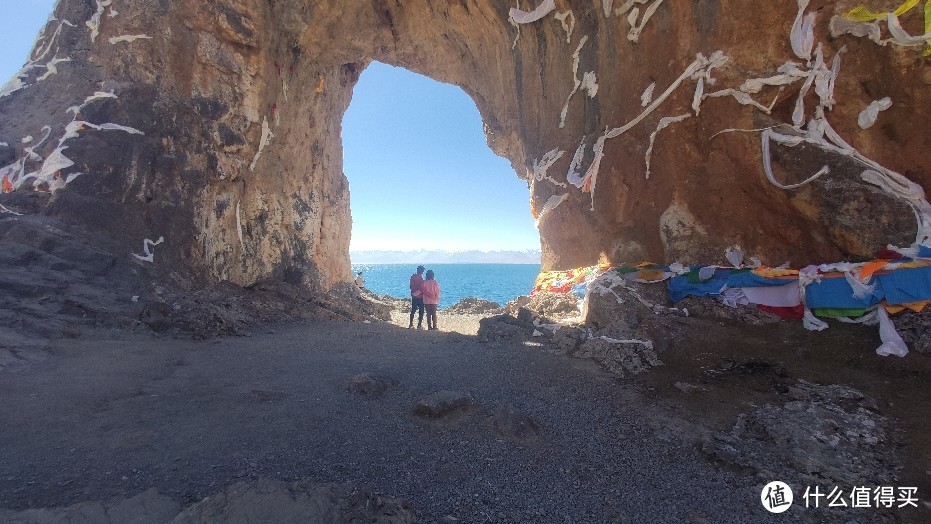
x,y
640,124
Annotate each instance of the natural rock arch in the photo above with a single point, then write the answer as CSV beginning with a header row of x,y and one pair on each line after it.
x,y
216,125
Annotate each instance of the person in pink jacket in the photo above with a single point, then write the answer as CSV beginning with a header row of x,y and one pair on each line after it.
x,y
431,297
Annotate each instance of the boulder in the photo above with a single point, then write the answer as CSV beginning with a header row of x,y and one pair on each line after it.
x,y
556,306
501,328
615,300
620,357
568,338
474,306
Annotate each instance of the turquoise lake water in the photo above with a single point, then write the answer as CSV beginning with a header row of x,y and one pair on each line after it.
x,y
496,282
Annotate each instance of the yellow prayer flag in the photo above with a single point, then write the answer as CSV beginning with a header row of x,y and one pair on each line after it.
x,y
928,26
864,14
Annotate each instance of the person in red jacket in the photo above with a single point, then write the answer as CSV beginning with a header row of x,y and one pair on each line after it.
x,y
431,297
416,298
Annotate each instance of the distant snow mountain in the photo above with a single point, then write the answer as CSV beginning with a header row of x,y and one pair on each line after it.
x,y
445,257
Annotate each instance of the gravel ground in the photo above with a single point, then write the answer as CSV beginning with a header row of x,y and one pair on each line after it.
x,y
449,323
191,418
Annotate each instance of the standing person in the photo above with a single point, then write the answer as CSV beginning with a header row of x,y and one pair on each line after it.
x,y
417,298
431,297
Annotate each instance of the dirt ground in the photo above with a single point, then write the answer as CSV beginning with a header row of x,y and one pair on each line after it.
x,y
110,415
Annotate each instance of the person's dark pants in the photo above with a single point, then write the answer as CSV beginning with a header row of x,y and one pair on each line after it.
x,y
431,316
416,305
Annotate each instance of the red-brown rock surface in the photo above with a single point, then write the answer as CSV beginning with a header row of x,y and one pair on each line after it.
x,y
231,118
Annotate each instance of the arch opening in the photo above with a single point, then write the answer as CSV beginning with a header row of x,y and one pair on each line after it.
x,y
421,174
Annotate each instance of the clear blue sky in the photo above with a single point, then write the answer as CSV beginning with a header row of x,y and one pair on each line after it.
x,y
20,23
420,172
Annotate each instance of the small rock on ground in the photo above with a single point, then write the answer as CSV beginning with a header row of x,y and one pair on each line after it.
x,y
514,424
370,385
443,404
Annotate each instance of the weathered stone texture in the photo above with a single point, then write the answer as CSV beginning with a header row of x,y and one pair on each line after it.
x,y
241,105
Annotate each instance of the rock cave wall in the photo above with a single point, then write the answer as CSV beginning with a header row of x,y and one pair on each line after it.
x,y
216,126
